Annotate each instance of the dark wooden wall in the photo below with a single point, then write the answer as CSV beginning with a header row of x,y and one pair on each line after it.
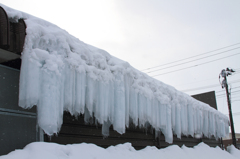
x,y
76,131
12,37
12,34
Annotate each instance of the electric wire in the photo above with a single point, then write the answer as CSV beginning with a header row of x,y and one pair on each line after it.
x,y
191,56
231,93
209,86
224,90
196,65
236,101
209,79
192,60
237,113
196,82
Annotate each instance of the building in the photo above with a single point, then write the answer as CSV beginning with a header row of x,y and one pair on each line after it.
x,y
77,93
227,141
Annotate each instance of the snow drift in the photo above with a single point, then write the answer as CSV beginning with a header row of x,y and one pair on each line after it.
x,y
40,150
61,73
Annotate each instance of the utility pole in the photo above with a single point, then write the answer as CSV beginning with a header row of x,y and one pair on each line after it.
x,y
224,73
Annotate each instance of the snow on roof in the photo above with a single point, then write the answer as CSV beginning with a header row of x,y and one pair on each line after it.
x,y
61,73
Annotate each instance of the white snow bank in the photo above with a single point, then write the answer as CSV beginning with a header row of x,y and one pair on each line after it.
x,y
235,152
61,73
40,150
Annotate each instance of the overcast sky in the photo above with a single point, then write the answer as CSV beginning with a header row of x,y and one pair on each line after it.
x,y
149,33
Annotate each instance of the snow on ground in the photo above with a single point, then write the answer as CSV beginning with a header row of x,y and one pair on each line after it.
x,y
42,150
61,73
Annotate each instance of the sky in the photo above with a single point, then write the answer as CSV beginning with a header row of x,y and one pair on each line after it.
x,y
150,33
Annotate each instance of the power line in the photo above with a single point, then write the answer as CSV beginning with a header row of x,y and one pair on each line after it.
x,y
236,101
231,88
232,97
192,60
193,89
230,93
237,113
196,82
209,86
191,57
209,79
195,65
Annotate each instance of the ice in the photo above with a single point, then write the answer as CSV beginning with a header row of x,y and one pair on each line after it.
x,y
61,73
133,110
80,92
119,105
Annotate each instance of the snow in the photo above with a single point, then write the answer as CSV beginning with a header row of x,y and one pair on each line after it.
x,y
61,73
39,150
235,152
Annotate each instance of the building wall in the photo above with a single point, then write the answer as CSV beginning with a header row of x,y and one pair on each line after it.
x,y
74,130
17,126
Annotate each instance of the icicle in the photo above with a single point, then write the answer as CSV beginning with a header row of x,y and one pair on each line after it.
x,y
49,109
102,107
90,94
105,128
149,110
205,123
194,119
133,109
184,120
119,104
158,110
167,131
154,113
163,116
111,101
69,89
80,90
127,85
29,81
142,109
173,115
178,130
190,121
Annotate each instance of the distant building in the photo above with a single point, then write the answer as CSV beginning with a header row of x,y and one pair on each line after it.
x,y
208,98
228,140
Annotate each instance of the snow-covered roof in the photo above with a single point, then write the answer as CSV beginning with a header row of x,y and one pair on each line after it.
x,y
61,73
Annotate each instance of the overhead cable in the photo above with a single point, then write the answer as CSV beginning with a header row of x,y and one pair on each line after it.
x,y
209,86
191,57
196,65
192,60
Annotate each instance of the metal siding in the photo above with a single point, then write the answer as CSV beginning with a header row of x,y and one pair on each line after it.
x,y
17,125
16,132
9,84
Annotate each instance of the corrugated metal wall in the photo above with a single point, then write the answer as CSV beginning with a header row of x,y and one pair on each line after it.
x,y
17,126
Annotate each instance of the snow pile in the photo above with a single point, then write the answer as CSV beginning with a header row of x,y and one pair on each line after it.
x,y
61,73
42,150
235,152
